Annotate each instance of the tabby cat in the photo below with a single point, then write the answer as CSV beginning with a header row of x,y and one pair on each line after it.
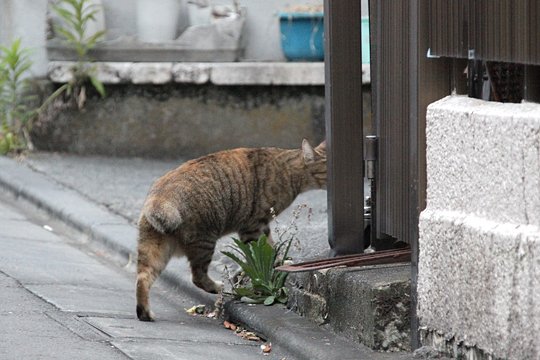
x,y
188,209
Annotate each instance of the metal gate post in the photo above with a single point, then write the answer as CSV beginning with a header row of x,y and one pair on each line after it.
x,y
343,113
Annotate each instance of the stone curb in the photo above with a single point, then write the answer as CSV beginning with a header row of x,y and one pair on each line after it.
x,y
298,335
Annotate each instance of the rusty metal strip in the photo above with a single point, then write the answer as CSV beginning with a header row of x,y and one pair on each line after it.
x,y
376,258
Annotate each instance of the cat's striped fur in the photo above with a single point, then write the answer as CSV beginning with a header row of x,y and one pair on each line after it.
x,y
189,208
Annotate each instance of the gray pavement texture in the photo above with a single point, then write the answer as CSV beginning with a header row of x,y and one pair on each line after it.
x,y
100,198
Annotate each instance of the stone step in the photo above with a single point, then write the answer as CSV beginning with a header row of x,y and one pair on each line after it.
x,y
369,305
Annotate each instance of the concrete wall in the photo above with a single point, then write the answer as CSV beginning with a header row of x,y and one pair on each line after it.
x,y
177,120
479,265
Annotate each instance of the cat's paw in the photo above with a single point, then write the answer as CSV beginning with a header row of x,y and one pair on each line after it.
x,y
218,285
144,314
214,288
210,286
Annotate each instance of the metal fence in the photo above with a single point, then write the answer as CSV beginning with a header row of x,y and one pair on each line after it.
x,y
407,36
392,109
493,30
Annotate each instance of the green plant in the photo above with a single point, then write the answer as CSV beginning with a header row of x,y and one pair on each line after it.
x,y
76,16
258,260
15,111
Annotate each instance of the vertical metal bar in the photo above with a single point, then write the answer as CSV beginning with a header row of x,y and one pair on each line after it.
x,y
492,32
344,135
374,44
534,39
452,14
408,33
463,28
508,35
474,9
414,26
380,77
522,32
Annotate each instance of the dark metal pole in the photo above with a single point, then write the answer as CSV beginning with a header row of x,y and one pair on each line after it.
x,y
417,12
343,113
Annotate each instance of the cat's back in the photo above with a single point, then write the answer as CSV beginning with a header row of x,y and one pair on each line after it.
x,y
223,179
217,189
228,166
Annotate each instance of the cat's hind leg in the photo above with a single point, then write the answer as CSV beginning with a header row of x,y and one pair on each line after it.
x,y
154,252
200,256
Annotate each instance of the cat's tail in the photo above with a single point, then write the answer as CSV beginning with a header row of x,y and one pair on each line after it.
x,y
163,216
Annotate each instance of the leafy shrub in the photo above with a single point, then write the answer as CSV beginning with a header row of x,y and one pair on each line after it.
x,y
15,110
16,113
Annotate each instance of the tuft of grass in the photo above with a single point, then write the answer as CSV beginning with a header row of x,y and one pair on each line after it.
x,y
258,260
76,15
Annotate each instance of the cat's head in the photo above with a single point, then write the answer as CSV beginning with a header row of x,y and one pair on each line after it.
x,y
315,163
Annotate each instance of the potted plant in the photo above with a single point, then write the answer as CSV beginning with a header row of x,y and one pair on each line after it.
x,y
302,33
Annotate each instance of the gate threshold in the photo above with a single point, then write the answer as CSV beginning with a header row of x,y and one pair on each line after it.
x,y
375,258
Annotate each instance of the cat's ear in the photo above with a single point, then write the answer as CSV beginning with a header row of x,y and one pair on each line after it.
x,y
307,152
321,149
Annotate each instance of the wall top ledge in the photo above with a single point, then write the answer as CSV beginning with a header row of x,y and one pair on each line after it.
x,y
230,73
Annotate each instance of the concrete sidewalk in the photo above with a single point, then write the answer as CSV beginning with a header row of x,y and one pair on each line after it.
x,y
101,197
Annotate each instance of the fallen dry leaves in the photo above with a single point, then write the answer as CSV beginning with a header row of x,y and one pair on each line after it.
x,y
229,325
240,332
201,310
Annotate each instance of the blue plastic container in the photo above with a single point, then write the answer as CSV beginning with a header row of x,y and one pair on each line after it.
x,y
302,35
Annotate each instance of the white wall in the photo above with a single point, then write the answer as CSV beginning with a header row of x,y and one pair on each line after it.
x,y
479,260
262,36
25,19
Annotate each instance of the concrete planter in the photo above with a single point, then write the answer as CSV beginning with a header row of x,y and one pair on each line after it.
x,y
157,20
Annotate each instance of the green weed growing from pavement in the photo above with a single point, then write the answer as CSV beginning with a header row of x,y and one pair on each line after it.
x,y
76,16
258,260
